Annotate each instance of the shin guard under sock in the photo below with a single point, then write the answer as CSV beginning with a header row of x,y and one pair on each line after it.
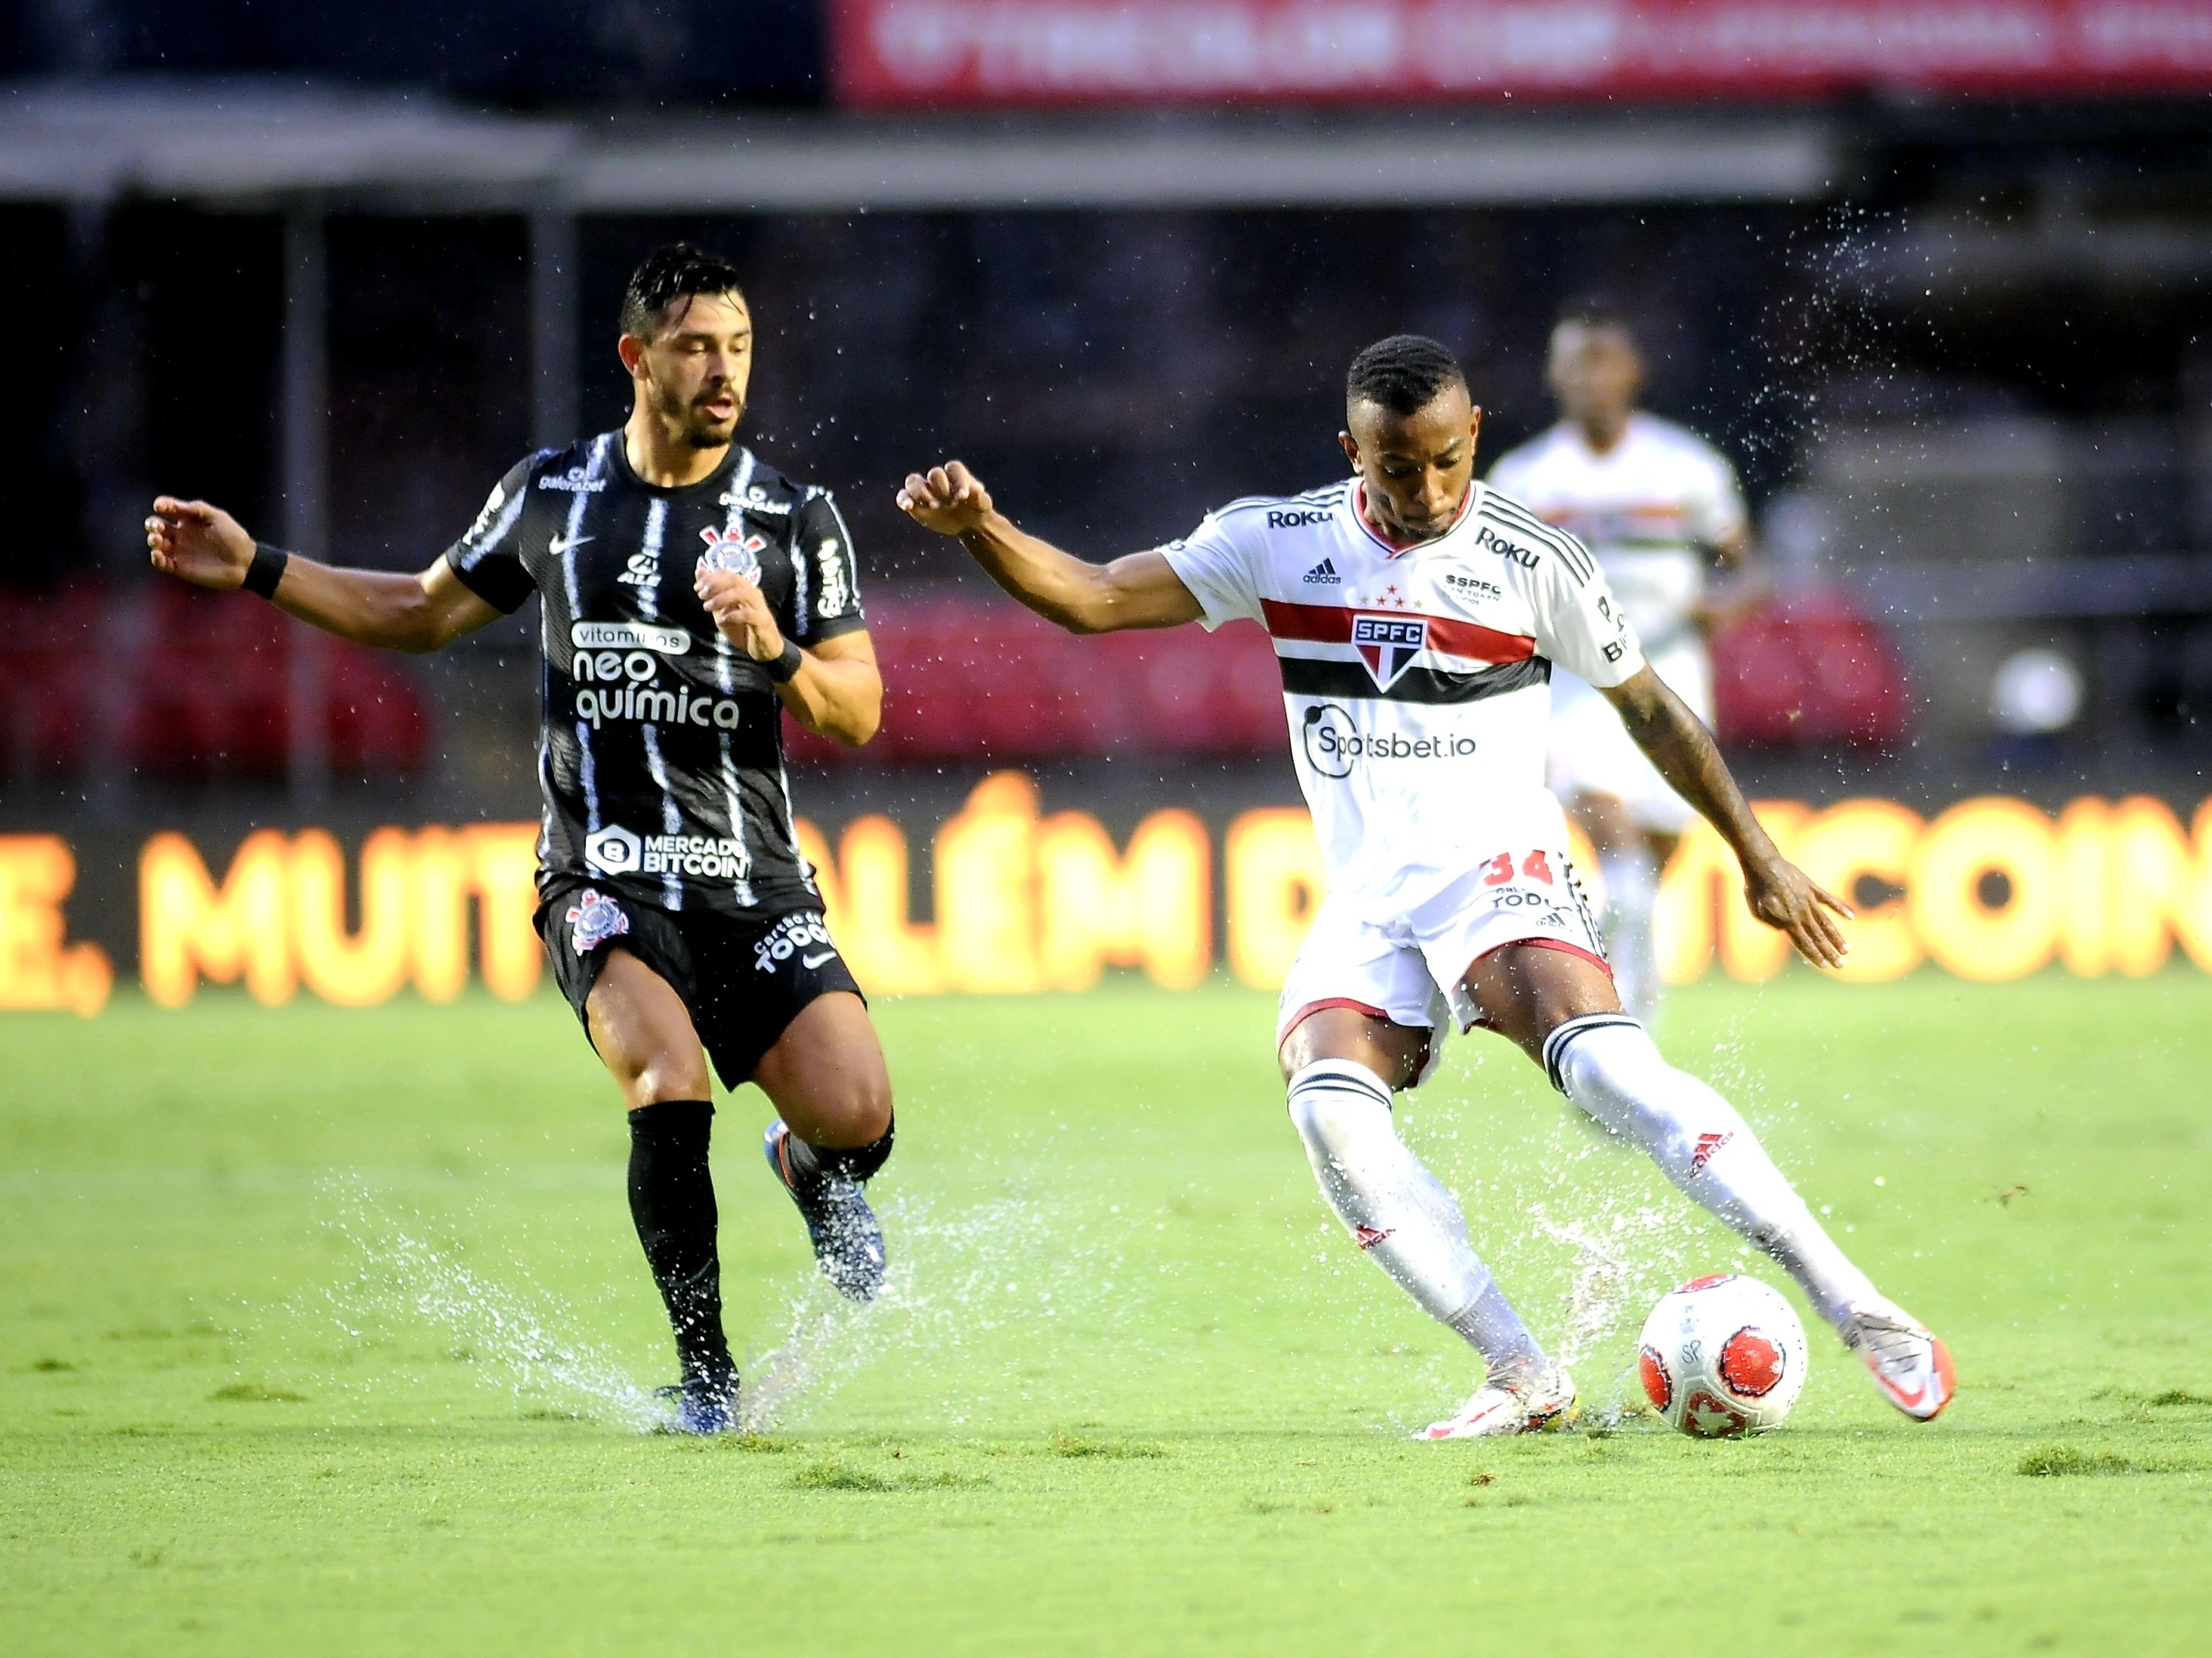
x,y
1608,1065
807,1167
1398,1212
671,1199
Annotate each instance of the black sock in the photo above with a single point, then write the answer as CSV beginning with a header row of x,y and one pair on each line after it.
x,y
808,1167
672,1198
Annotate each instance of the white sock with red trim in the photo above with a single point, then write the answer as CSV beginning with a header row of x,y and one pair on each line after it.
x,y
1607,1065
1398,1212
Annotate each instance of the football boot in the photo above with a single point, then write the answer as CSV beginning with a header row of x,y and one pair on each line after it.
x,y
848,1243
1912,1369
1522,1401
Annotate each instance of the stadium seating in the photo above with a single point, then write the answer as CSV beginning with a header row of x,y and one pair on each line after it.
x,y
1808,670
184,684
180,684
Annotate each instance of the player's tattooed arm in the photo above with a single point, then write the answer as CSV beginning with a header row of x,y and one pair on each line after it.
x,y
1140,591
835,689
1779,893
208,547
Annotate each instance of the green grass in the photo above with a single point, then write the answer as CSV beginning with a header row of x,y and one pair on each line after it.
x,y
323,1331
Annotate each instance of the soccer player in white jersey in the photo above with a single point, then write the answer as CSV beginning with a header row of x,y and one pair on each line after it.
x,y
1655,503
1416,614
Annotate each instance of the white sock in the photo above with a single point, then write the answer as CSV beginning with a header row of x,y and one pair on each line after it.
x,y
1607,1065
1398,1212
1631,893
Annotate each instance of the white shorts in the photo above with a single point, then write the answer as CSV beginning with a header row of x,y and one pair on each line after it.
x,y
1590,751
1408,969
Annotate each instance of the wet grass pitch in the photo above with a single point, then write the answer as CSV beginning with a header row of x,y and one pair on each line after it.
x,y
325,1331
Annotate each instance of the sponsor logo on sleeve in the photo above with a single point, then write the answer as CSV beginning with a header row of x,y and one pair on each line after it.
x,y
836,594
1296,518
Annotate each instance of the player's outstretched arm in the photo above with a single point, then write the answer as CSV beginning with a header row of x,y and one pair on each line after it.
x,y
835,689
1779,893
208,547
1140,591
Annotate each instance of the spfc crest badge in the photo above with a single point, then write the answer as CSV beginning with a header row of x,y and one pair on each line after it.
x,y
1388,644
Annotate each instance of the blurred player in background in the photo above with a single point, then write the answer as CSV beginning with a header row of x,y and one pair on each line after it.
x,y
1656,504
1416,615
692,596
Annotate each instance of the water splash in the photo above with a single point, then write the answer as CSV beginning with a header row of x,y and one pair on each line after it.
x,y
963,1279
521,1338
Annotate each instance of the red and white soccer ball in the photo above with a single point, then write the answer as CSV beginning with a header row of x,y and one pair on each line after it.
x,y
1722,1356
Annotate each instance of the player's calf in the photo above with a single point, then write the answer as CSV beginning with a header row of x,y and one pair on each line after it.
x,y
671,1199
1399,1213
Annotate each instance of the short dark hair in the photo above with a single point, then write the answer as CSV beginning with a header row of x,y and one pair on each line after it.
x,y
669,274
1403,375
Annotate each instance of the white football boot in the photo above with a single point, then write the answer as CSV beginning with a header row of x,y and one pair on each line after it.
x,y
1912,1369
1510,1402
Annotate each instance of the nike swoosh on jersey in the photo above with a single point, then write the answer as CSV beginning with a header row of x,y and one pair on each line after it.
x,y
562,546
810,962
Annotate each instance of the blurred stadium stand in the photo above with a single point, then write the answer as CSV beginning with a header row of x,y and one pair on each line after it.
x,y
338,272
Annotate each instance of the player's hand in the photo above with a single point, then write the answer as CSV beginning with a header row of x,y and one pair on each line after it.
x,y
1783,896
740,611
203,545
948,499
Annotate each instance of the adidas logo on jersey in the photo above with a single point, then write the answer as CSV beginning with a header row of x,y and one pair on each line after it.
x,y
1324,571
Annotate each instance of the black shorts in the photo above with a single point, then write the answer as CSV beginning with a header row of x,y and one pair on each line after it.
x,y
743,979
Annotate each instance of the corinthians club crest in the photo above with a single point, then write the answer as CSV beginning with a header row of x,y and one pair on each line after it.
x,y
733,549
1388,644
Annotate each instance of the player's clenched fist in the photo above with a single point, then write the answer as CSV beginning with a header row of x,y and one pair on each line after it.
x,y
948,499
740,612
203,545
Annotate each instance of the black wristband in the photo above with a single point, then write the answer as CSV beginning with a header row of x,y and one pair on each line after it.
x,y
784,668
266,570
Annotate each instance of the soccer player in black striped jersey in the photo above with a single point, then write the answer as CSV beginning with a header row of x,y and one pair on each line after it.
x,y
691,596
1417,615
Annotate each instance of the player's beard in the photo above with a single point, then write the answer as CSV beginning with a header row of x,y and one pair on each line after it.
x,y
692,424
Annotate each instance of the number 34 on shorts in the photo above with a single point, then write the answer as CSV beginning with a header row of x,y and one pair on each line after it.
x,y
1533,868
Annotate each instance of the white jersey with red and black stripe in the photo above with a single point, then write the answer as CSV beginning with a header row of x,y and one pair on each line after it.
x,y
1416,679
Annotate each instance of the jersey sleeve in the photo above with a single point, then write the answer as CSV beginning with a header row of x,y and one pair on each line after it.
x,y
1717,510
1579,623
489,558
826,601
1221,569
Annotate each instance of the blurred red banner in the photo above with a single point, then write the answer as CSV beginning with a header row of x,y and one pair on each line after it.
x,y
904,53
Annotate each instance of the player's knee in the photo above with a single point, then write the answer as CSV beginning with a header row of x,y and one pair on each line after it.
x,y
1611,1068
1330,1100
855,1113
665,1077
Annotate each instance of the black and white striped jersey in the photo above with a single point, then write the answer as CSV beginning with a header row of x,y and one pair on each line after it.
x,y
661,756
